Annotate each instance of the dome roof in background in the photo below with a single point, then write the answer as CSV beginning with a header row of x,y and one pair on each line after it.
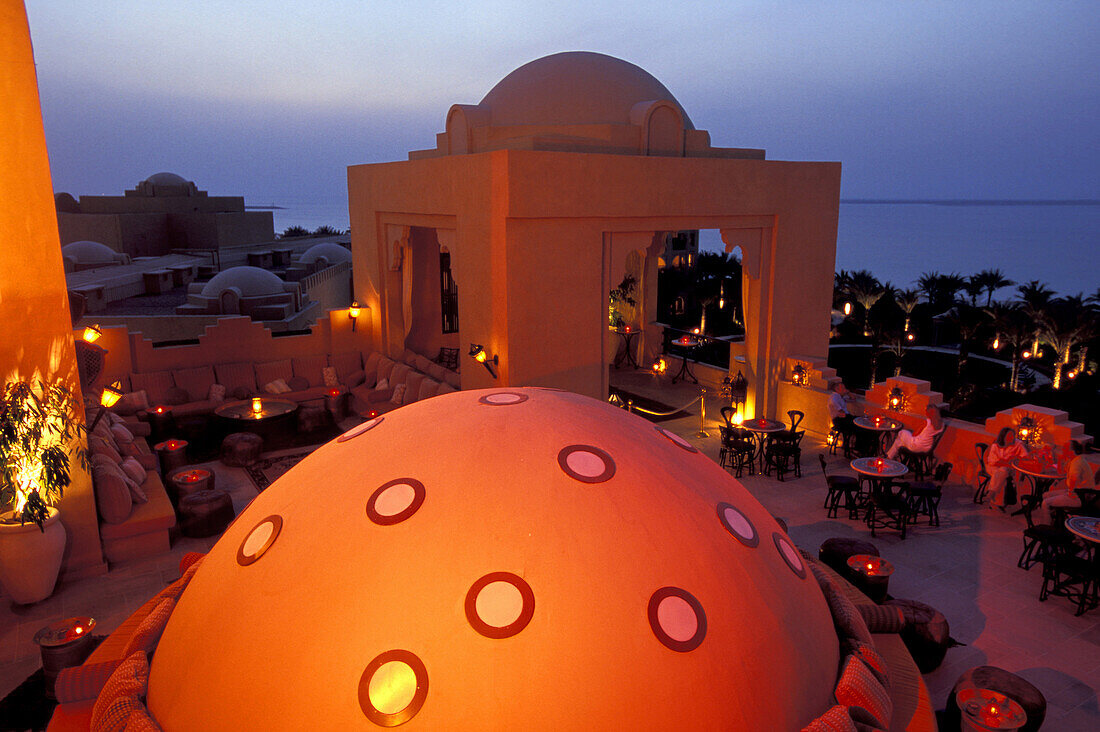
x,y
167,179
251,281
574,88
89,252
332,252
518,558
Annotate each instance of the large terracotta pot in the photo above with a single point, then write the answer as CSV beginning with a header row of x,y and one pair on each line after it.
x,y
30,559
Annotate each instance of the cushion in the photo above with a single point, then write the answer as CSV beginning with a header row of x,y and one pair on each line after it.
x,y
330,377
371,361
310,367
448,358
882,618
400,372
382,385
100,446
385,366
122,435
216,393
234,375
834,720
278,386
132,403
298,383
242,392
436,371
99,458
847,619
858,689
147,634
873,660
130,448
112,495
155,383
422,364
140,721
272,370
196,382
413,382
399,394
81,683
346,364
176,396
112,419
428,389
445,389
121,694
135,471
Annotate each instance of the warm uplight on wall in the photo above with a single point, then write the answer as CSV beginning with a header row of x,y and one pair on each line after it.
x,y
897,399
110,396
353,314
478,353
92,333
798,375
847,308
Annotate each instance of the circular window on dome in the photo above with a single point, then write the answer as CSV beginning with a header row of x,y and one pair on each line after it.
x,y
586,463
503,399
790,554
738,525
677,619
395,501
259,540
500,604
393,688
676,439
361,429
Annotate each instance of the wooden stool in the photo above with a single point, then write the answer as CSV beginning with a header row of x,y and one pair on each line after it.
x,y
241,449
1005,682
172,455
205,513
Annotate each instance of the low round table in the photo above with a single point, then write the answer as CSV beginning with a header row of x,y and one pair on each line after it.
x,y
241,449
871,574
762,427
188,481
172,455
273,419
883,427
63,644
880,471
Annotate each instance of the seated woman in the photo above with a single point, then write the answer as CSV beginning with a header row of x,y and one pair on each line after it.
x,y
922,441
1078,475
998,461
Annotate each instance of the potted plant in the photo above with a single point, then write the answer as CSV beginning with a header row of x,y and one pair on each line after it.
x,y
39,435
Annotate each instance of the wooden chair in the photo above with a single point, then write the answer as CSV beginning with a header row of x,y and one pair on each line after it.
x,y
783,449
983,476
1073,577
840,487
888,510
738,450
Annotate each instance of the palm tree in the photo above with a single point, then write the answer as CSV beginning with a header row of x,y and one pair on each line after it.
x,y
1068,323
967,320
865,288
940,289
991,280
1035,296
973,289
1013,330
907,300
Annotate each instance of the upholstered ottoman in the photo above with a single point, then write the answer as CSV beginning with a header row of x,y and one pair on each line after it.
x,y
205,513
834,554
311,419
241,449
186,481
1007,683
926,633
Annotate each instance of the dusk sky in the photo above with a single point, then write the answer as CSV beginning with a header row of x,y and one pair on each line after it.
x,y
274,100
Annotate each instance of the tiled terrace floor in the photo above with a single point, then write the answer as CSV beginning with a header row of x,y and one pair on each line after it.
x,y
966,568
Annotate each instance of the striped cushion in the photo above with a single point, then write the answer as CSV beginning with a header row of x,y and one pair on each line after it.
x,y
385,366
310,368
834,720
346,364
874,661
140,721
882,618
428,389
147,635
155,384
413,382
867,699
399,373
188,559
849,623
196,382
121,694
78,683
235,375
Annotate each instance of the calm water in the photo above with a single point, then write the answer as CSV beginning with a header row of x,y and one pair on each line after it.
x,y
1059,245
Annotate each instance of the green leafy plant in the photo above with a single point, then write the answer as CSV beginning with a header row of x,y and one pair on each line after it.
x,y
621,295
38,438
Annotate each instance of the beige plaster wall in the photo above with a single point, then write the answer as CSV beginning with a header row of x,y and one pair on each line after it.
x,y
33,301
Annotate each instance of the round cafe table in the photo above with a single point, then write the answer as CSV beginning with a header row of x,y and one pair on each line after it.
x,y
1088,528
884,427
880,471
627,334
1041,475
762,427
688,345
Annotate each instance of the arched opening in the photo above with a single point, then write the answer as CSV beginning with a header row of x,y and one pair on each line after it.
x,y
432,320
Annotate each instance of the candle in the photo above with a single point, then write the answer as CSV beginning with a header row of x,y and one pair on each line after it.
x,y
257,405
334,392
159,410
627,328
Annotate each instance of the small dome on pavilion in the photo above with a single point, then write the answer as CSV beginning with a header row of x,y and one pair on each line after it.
x,y
89,252
251,281
329,251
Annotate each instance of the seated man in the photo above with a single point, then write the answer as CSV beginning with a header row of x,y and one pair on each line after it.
x,y
922,441
842,418
1078,475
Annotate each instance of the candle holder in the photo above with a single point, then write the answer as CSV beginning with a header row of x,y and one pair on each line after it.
x,y
985,709
63,644
257,406
870,575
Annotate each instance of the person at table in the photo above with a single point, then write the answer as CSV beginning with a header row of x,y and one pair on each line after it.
x,y
842,417
923,439
998,461
1078,475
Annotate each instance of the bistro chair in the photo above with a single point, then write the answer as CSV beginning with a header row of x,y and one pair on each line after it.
x,y
1042,542
840,487
728,414
781,450
1071,576
922,463
887,509
983,477
924,496
738,450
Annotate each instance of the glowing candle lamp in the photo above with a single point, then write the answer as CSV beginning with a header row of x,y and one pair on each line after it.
x,y
257,406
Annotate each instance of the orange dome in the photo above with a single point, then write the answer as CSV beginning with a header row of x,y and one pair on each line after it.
x,y
574,88
507,558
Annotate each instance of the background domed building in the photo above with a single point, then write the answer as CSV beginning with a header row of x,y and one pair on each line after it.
x,y
250,291
161,213
81,255
569,175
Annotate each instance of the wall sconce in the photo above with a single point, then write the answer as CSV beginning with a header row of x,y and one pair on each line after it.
x,y
1028,430
92,333
478,354
353,314
897,399
110,396
798,375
